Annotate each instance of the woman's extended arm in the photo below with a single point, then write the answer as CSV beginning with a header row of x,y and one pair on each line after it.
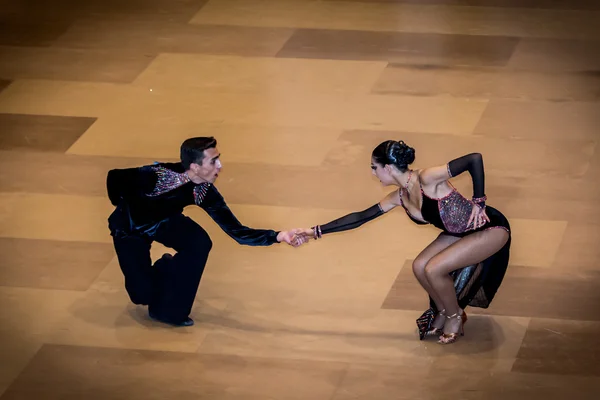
x,y
355,219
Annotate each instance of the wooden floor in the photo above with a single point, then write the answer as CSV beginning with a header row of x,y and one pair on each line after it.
x,y
298,93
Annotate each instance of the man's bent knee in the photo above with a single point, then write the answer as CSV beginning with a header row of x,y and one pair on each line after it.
x,y
198,241
202,244
207,243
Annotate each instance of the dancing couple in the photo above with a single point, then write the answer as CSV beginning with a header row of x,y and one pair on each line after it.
x,y
463,266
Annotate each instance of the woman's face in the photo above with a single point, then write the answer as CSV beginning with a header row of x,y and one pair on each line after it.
x,y
383,173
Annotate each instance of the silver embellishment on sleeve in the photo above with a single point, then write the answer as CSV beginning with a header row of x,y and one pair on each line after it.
x,y
200,192
167,180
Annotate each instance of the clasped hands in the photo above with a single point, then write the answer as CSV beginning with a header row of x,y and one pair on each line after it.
x,y
296,237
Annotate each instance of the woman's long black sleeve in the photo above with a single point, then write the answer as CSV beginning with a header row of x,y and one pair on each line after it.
x,y
474,164
353,220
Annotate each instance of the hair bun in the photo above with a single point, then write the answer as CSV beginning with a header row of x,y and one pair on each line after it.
x,y
394,152
402,154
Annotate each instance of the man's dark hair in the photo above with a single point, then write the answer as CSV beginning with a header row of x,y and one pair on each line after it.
x,y
192,150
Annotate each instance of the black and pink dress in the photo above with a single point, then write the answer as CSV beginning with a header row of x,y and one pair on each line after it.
x,y
476,285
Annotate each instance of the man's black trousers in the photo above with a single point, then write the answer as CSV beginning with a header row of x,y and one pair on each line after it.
x,y
169,286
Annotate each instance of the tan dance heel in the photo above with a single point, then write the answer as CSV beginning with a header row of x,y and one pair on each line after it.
x,y
448,338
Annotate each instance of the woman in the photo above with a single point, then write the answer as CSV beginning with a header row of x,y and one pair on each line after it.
x,y
466,263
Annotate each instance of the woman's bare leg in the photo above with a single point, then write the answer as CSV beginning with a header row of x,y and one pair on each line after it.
x,y
469,250
419,264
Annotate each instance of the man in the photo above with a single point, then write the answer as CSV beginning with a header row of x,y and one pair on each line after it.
x,y
149,203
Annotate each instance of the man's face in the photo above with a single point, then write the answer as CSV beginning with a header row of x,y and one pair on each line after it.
x,y
211,166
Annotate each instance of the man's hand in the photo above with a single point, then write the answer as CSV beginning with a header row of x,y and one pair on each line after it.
x,y
292,237
303,235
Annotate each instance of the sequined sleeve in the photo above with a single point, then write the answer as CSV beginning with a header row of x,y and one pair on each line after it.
x,y
214,204
166,180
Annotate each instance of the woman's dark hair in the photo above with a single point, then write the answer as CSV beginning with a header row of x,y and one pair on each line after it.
x,y
394,152
192,150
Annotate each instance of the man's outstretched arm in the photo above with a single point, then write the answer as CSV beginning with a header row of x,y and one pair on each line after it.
x,y
219,211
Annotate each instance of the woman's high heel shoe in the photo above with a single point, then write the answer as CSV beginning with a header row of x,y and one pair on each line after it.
x,y
436,331
448,338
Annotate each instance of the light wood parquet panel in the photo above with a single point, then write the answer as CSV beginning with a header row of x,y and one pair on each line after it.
x,y
298,93
402,17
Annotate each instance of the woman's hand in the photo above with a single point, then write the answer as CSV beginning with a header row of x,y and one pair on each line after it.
x,y
302,235
478,217
293,237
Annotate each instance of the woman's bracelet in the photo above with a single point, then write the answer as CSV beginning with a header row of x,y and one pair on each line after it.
x,y
317,232
480,201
